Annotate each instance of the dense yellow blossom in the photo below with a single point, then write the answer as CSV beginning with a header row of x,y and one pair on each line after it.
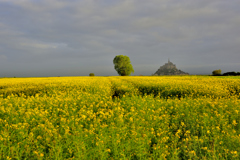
x,y
168,117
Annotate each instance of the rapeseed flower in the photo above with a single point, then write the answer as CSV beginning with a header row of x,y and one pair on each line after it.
x,y
151,117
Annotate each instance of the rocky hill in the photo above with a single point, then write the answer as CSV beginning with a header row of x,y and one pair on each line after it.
x,y
169,69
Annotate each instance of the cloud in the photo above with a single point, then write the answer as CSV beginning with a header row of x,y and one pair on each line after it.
x,y
91,32
36,5
3,58
43,45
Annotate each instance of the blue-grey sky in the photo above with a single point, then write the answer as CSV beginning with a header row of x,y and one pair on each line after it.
x,y
77,37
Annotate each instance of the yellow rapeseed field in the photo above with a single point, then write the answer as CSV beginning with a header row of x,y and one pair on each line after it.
x,y
165,117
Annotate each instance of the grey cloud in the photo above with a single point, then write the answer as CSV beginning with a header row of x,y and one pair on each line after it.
x,y
50,36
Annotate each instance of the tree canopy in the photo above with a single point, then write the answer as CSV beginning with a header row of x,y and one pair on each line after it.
x,y
217,72
122,65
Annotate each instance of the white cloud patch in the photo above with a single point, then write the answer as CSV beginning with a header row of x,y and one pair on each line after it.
x,y
43,45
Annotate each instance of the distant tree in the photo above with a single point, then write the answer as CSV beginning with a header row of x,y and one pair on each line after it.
x,y
217,72
91,74
122,65
230,74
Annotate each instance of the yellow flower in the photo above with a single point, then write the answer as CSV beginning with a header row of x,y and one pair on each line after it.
x,y
182,124
131,119
204,148
8,158
234,122
84,117
192,152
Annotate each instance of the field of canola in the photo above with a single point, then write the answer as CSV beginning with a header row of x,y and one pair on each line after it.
x,y
167,117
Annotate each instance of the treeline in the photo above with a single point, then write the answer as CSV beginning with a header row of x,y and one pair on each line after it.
x,y
219,73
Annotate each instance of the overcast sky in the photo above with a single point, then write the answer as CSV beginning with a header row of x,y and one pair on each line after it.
x,y
77,37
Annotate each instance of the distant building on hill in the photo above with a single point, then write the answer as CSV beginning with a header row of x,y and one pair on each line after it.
x,y
169,69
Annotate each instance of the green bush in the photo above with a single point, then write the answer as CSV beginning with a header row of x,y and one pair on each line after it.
x,y
217,72
91,74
